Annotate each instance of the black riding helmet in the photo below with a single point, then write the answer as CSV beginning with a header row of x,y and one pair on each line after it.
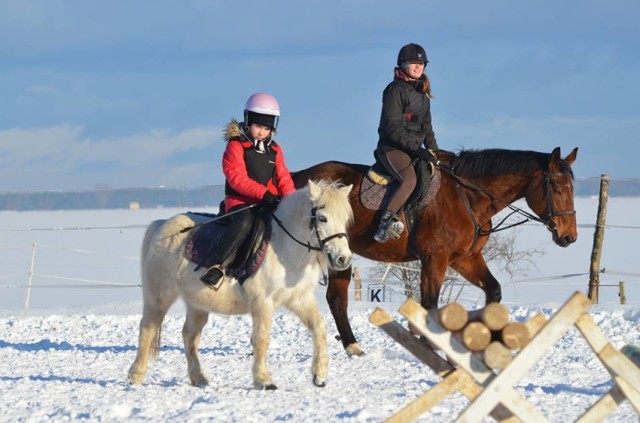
x,y
411,53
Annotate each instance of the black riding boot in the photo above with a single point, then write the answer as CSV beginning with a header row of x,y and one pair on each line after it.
x,y
223,253
390,227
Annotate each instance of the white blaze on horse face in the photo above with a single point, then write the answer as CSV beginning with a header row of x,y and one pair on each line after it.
x,y
331,226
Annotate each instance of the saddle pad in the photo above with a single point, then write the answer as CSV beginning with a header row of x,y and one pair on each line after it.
x,y
202,237
375,197
208,234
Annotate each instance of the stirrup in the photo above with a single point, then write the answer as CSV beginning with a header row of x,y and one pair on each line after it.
x,y
211,279
391,227
395,229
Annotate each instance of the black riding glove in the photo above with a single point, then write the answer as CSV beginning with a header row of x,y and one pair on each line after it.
x,y
423,154
270,200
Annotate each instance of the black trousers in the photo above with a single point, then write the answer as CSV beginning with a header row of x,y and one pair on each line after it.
x,y
235,227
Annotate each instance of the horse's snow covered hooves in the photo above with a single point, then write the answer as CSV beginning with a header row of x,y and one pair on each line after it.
x,y
269,386
134,378
200,383
354,350
319,382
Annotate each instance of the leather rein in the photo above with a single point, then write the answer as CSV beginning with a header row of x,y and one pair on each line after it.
x,y
551,212
313,224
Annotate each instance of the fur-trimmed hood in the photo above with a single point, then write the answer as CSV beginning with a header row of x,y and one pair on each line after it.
x,y
232,131
235,130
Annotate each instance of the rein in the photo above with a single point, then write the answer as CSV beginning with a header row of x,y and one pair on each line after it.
x,y
313,224
549,223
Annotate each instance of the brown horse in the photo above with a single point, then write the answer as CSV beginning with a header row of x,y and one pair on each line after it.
x,y
452,230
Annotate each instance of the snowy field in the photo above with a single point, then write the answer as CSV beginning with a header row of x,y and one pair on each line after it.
x,y
67,356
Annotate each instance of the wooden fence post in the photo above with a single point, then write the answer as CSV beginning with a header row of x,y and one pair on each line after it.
x,y
623,298
598,237
358,284
31,266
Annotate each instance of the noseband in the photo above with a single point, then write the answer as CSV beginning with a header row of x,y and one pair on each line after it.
x,y
313,224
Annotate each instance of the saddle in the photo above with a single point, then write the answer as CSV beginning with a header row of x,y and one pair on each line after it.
x,y
378,186
249,256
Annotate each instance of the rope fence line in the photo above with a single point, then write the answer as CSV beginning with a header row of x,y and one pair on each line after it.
x,y
73,228
395,287
144,226
540,280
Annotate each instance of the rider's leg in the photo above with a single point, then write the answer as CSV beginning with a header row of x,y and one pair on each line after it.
x,y
223,253
400,166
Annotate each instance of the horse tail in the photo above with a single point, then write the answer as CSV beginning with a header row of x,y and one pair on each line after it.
x,y
151,230
146,245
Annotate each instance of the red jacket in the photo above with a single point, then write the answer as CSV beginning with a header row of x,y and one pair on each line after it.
x,y
248,190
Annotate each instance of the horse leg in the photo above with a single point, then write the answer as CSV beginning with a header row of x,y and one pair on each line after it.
x,y
474,269
149,338
191,331
261,314
306,309
338,300
432,272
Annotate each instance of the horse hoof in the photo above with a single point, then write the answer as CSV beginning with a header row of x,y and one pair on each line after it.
x,y
134,379
267,387
354,350
319,382
200,382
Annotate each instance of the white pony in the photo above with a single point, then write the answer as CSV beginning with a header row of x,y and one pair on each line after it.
x,y
316,216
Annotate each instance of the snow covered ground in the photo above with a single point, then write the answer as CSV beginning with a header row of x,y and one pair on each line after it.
x,y
71,364
67,356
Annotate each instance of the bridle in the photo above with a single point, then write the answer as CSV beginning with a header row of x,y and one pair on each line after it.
x,y
550,211
313,224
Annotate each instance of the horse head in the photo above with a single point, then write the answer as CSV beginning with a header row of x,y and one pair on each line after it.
x,y
552,198
331,214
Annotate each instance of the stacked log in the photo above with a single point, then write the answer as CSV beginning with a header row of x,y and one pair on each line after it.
x,y
488,331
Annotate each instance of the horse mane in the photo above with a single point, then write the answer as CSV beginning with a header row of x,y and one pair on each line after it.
x,y
332,200
493,162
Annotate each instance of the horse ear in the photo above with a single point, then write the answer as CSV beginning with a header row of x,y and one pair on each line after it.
x,y
346,190
572,156
554,161
314,190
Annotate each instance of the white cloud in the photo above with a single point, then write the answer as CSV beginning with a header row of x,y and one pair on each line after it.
x,y
60,156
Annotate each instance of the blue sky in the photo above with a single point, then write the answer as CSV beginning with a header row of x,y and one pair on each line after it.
x,y
134,94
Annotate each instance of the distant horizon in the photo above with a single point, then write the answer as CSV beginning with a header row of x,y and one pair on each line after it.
x,y
104,187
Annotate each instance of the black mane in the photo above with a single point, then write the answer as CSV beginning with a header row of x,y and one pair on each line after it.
x,y
492,162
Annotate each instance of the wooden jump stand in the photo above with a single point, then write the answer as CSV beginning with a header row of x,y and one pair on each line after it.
x,y
491,391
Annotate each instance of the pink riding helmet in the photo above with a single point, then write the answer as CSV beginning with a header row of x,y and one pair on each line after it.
x,y
264,104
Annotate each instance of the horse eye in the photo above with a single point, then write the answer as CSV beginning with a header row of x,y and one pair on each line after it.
x,y
322,219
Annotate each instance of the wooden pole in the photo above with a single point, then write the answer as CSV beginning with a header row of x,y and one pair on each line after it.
x,y
497,355
475,336
357,283
494,315
515,335
33,259
535,324
452,317
623,298
598,238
